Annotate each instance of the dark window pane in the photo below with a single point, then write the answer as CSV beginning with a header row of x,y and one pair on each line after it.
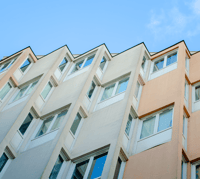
x,y
4,66
143,62
171,59
25,65
97,166
80,169
3,161
75,124
89,61
128,125
197,93
63,64
91,90
117,169
56,168
4,91
158,65
77,66
25,124
103,62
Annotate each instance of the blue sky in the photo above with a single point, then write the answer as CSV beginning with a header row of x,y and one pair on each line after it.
x,y
82,25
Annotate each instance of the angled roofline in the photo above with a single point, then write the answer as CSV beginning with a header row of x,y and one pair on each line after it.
x,y
3,59
172,46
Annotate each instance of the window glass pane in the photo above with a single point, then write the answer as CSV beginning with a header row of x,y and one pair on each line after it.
x,y
25,65
91,90
184,125
77,66
56,168
197,93
197,171
4,66
3,161
4,91
128,125
75,124
122,86
117,169
148,127
21,93
108,92
59,119
32,87
185,89
89,61
46,90
12,63
97,166
25,124
171,59
80,169
158,65
165,120
137,89
63,64
45,126
143,62
103,62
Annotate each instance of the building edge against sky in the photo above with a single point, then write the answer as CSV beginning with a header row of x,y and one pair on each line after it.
x,y
100,115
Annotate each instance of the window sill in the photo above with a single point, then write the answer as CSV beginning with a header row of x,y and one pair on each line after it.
x,y
154,134
44,134
111,97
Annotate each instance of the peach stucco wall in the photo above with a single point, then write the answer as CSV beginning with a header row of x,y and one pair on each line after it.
x,y
163,161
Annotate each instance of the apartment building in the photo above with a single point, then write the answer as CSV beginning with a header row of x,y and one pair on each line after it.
x,y
100,115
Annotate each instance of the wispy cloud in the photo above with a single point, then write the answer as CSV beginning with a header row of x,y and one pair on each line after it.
x,y
196,6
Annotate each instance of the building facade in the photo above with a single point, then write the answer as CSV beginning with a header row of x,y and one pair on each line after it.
x,y
132,115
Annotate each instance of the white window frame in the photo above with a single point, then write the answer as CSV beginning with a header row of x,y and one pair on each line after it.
x,y
6,96
193,169
90,158
131,128
114,90
50,126
187,64
93,94
143,71
2,65
6,165
157,114
186,91
195,103
49,94
164,64
24,95
31,60
84,61
139,94
105,66
184,168
186,131
67,64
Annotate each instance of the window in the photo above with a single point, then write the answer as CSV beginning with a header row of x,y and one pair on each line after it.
x,y
91,168
25,65
197,93
165,61
156,123
25,91
63,64
183,168
7,65
26,124
187,63
143,63
117,169
128,125
46,90
76,123
102,63
91,90
197,171
5,90
56,168
83,63
3,160
137,89
115,89
184,123
51,123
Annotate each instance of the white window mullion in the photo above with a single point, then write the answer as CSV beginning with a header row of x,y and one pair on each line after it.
x,y
115,88
27,89
84,63
156,123
165,61
88,168
52,122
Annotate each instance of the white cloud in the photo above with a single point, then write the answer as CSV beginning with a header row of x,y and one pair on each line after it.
x,y
196,6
